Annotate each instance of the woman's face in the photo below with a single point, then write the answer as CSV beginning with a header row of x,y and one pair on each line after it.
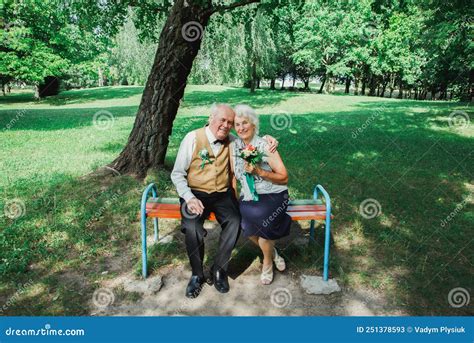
x,y
244,128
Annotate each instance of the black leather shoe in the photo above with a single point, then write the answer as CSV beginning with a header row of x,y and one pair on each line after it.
x,y
221,282
194,286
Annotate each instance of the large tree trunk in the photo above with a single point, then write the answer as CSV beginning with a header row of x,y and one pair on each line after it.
x,y
384,87
179,44
37,92
356,85
253,80
322,84
100,77
400,92
372,85
328,84
272,84
348,85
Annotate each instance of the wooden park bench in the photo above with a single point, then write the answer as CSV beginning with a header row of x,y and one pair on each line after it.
x,y
308,209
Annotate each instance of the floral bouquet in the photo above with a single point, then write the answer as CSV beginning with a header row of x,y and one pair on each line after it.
x,y
251,154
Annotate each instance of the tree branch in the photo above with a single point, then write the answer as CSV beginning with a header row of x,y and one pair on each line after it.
x,y
164,7
231,7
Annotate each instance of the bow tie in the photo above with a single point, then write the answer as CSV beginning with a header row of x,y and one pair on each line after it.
x,y
219,141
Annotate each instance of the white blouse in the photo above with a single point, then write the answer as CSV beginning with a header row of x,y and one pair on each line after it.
x,y
262,186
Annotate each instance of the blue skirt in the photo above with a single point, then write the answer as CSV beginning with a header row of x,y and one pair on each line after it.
x,y
266,217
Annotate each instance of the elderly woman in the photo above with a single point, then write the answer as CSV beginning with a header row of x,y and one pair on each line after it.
x,y
263,220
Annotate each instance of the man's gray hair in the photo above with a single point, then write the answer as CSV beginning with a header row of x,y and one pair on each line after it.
x,y
245,111
215,109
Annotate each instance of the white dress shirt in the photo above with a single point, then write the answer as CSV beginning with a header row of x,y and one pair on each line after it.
x,y
183,160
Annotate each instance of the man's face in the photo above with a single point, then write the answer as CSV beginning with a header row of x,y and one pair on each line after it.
x,y
222,122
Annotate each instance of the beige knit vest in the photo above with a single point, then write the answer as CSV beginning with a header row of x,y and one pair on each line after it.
x,y
214,177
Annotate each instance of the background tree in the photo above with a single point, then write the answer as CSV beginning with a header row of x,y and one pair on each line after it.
x,y
132,55
42,39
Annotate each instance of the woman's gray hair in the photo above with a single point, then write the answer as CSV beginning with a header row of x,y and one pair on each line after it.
x,y
245,111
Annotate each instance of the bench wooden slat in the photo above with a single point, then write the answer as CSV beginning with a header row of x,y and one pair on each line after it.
x,y
161,200
164,200
304,208
312,215
156,209
163,207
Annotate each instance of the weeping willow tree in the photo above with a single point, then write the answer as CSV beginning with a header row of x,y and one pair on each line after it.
x,y
260,47
221,59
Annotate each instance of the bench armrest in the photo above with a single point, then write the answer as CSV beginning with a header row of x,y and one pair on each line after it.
x,y
327,234
327,199
146,194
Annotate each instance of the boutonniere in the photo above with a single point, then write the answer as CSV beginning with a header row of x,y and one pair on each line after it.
x,y
204,155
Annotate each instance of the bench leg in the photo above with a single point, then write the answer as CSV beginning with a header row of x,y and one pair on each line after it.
x,y
311,231
155,223
144,257
151,187
327,238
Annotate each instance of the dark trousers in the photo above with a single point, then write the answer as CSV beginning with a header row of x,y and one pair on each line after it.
x,y
225,207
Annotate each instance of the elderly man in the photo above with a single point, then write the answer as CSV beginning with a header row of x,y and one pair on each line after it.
x,y
202,177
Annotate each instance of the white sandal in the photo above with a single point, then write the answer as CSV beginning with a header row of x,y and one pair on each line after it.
x,y
267,275
279,261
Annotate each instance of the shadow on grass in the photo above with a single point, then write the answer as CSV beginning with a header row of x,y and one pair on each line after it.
x,y
62,119
235,96
75,96
80,96
64,241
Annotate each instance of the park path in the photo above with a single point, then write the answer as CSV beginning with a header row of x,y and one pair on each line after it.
x,y
247,297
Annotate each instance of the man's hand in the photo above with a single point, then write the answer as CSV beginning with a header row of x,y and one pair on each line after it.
x,y
272,143
195,206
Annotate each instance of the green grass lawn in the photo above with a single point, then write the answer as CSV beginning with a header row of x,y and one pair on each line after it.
x,y
402,153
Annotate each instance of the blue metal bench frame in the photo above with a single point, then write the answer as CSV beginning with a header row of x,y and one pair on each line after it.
x,y
151,188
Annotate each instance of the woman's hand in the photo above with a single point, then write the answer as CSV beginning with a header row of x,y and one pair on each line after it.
x,y
251,169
